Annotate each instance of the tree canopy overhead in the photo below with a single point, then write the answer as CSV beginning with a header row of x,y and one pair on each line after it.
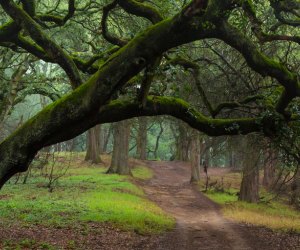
x,y
224,67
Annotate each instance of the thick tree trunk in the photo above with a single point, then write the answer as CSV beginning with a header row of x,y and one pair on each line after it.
x,y
195,158
249,190
93,145
119,161
141,145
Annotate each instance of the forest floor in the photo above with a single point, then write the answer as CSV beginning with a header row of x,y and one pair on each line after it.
x,y
90,210
199,221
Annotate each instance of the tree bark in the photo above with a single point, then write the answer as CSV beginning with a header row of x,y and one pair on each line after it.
x,y
249,190
119,161
141,149
105,138
269,169
183,143
195,158
93,145
295,197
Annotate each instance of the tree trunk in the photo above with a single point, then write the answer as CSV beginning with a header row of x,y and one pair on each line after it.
x,y
93,145
269,170
141,149
233,154
249,190
195,158
183,143
295,198
106,136
119,161
157,140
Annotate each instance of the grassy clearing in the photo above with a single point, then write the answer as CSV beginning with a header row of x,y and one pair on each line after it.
x,y
274,215
86,193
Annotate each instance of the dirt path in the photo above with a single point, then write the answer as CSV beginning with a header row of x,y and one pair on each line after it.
x,y
200,224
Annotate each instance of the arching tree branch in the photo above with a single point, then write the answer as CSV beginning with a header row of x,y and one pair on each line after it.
x,y
110,38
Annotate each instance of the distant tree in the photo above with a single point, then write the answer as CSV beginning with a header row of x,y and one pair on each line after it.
x,y
119,162
195,157
269,166
141,145
249,190
93,145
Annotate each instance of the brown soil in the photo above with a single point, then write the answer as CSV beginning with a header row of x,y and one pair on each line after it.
x,y
200,224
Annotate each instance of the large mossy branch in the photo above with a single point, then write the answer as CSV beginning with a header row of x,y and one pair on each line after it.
x,y
29,6
262,64
178,108
9,31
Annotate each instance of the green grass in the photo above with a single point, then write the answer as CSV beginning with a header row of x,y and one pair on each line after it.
x,y
141,172
221,198
274,215
84,194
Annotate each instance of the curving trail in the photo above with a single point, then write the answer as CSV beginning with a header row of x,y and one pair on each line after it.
x,y
200,224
